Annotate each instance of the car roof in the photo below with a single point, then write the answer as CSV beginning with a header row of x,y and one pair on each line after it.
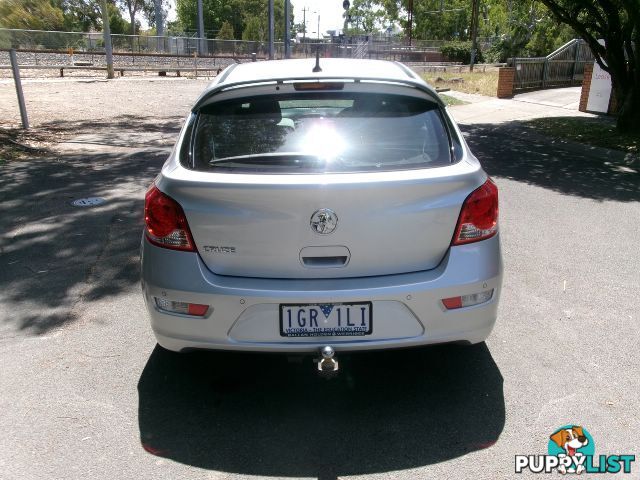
x,y
303,69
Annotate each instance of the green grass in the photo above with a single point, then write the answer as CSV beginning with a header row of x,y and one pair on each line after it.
x,y
597,132
450,101
482,83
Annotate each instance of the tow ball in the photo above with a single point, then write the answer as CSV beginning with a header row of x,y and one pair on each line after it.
x,y
327,365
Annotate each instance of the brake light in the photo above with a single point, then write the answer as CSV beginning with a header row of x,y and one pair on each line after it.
x,y
479,215
165,222
318,86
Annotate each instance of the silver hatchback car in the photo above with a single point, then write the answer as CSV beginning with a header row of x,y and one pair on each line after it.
x,y
310,205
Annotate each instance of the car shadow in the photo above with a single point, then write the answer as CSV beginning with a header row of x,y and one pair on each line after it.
x,y
258,414
515,151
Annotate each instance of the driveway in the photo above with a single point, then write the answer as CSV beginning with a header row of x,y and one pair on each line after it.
x,y
556,102
568,98
87,393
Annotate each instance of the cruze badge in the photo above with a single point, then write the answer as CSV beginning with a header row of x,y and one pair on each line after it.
x,y
324,221
217,249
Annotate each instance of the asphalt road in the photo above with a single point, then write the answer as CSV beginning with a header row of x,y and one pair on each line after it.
x,y
85,392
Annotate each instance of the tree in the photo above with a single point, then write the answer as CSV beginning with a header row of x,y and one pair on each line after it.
x,y
521,30
67,15
548,35
149,11
447,20
80,15
30,14
226,32
133,7
366,15
254,31
523,27
215,13
617,22
237,12
117,24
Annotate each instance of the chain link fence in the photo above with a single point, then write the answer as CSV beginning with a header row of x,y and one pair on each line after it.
x,y
387,48
44,52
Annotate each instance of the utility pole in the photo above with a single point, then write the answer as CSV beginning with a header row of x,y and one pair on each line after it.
x,y
287,30
410,20
159,25
271,30
158,15
475,7
318,27
106,33
304,24
346,5
200,28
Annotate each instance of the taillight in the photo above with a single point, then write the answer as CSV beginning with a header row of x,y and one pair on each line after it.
x,y
165,222
479,215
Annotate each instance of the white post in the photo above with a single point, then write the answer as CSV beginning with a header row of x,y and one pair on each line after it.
x,y
16,79
106,32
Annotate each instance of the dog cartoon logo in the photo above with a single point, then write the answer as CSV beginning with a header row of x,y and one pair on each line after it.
x,y
571,450
571,441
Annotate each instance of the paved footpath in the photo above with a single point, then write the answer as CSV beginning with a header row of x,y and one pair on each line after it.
x,y
87,394
559,102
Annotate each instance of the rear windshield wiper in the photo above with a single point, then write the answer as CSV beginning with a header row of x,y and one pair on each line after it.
x,y
275,158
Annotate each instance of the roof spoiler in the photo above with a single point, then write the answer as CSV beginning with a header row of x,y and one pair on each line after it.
x,y
414,82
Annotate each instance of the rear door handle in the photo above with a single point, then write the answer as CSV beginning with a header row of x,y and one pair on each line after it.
x,y
335,256
324,262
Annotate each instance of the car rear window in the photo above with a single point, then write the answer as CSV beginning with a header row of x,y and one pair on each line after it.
x,y
320,132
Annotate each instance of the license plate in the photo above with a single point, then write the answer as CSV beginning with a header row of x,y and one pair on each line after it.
x,y
326,319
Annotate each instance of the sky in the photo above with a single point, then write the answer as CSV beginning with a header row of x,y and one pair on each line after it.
x,y
330,12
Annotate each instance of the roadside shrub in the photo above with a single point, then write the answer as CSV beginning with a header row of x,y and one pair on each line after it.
x,y
501,51
513,45
460,52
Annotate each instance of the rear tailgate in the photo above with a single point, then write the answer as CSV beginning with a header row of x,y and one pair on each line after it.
x,y
262,227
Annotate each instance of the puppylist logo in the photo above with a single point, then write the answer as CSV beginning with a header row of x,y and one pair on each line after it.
x,y
572,450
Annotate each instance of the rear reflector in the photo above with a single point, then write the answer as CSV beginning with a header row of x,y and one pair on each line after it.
x,y
194,309
478,218
453,302
197,310
467,300
165,222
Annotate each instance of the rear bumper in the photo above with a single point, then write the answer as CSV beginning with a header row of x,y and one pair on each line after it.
x,y
244,316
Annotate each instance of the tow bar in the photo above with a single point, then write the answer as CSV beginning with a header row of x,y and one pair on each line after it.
x,y
327,365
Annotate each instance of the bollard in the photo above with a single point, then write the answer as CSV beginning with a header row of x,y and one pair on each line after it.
x,y
253,57
195,63
16,79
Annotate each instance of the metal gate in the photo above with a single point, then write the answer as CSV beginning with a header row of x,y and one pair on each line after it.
x,y
562,68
